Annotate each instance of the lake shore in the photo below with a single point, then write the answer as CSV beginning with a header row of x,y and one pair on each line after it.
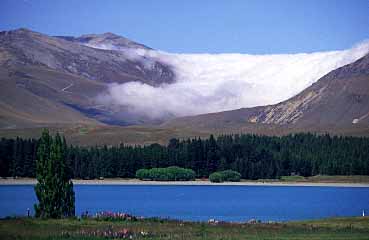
x,y
31,181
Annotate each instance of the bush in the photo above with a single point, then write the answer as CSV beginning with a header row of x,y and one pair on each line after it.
x,y
143,174
166,174
231,176
225,176
216,177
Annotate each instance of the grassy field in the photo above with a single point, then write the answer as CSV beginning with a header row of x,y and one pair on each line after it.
x,y
337,228
91,135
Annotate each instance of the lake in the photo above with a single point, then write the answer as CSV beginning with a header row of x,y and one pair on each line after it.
x,y
201,203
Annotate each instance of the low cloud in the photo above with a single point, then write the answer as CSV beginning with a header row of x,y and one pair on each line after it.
x,y
218,82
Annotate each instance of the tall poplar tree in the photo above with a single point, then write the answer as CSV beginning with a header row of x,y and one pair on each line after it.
x,y
54,189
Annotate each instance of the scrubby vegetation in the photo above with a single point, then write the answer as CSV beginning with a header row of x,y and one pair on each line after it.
x,y
332,229
293,178
225,176
254,157
166,174
216,177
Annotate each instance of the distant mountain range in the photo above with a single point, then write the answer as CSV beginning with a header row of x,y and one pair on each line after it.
x,y
338,101
53,82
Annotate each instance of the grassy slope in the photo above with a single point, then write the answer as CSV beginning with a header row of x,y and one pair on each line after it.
x,y
338,228
32,96
91,135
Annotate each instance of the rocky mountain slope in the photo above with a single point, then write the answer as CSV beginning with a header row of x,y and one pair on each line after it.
x,y
74,56
338,100
52,80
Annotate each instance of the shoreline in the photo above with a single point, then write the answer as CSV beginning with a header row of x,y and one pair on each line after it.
x,y
30,181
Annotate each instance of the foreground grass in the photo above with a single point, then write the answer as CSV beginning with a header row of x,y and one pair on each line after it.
x,y
337,228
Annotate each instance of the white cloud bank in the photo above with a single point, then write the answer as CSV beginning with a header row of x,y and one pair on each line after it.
x,y
218,82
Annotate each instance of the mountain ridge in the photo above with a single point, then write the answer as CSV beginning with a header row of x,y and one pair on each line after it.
x,y
68,76
29,47
106,37
54,81
319,104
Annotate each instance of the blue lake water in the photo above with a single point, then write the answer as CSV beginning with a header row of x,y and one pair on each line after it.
x,y
200,203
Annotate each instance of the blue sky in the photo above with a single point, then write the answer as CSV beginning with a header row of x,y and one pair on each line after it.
x,y
202,26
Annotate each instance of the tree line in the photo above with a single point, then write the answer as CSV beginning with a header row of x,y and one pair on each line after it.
x,y
253,156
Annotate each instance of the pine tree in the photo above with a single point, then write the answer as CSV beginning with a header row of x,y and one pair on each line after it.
x,y
54,189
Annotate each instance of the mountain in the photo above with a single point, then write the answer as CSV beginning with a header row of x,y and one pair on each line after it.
x,y
338,102
340,98
105,41
74,56
55,80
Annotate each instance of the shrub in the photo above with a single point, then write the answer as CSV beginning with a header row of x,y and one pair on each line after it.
x,y
225,176
166,174
231,176
216,177
142,174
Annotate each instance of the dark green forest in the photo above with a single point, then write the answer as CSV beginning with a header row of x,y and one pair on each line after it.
x,y
255,157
